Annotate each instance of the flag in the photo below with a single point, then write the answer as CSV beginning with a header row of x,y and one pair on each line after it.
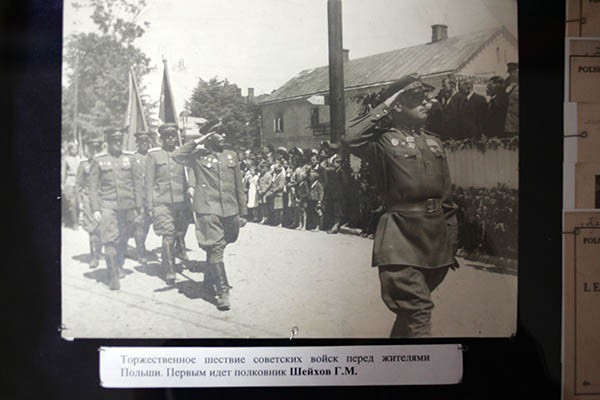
x,y
136,121
166,111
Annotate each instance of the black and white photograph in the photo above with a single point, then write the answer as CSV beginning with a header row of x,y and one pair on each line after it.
x,y
290,169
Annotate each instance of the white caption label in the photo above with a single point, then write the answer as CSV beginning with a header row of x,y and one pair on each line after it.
x,y
144,367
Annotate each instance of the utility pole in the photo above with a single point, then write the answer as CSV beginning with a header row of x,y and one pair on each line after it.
x,y
337,106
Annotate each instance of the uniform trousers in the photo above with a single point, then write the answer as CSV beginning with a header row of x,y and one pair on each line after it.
x,y
171,219
116,228
214,233
406,291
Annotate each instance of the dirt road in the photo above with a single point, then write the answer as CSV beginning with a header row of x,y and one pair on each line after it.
x,y
322,284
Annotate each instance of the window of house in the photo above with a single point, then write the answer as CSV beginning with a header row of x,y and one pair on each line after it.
x,y
278,123
314,117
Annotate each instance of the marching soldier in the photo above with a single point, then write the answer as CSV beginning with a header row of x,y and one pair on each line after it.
x,y
116,198
166,188
415,241
143,220
86,215
219,203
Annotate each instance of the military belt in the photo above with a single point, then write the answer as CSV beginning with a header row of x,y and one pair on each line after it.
x,y
428,205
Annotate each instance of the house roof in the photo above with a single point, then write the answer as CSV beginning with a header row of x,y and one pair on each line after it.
x,y
445,56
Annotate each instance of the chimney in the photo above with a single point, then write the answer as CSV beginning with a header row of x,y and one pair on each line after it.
x,y
250,97
346,54
439,32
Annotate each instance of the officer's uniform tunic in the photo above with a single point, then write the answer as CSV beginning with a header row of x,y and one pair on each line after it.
x,y
70,166
89,223
219,197
165,193
116,191
415,240
142,221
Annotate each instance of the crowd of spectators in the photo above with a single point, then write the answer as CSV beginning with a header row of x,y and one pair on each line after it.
x,y
315,189
308,189
458,112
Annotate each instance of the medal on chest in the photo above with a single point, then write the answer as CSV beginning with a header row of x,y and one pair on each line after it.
x,y
435,147
125,163
410,142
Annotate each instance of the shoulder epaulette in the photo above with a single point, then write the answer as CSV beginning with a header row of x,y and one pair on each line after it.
x,y
430,133
152,150
129,153
100,155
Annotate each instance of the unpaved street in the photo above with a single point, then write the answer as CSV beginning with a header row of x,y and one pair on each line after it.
x,y
322,284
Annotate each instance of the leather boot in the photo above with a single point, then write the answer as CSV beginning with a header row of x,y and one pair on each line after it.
x,y
208,284
221,287
110,255
95,247
140,247
120,259
180,251
168,259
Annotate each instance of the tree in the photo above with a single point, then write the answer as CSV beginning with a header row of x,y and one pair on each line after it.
x,y
98,64
220,99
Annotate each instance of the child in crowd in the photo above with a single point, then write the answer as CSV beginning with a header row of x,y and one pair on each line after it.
x,y
251,179
314,213
264,185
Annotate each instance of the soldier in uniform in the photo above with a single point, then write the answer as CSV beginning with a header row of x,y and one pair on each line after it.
x,y
219,203
143,220
116,198
69,166
166,188
86,215
415,240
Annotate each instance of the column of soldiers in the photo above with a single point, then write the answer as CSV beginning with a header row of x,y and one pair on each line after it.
x,y
122,193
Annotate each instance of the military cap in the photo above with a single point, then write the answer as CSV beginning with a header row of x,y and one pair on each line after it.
x,y
511,66
406,83
94,141
170,128
113,133
141,136
210,126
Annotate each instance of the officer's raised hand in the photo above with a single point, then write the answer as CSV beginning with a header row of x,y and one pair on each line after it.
x,y
97,215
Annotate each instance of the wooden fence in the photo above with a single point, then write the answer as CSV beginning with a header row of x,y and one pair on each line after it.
x,y
484,169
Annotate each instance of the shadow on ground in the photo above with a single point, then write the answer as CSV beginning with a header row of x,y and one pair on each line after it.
x,y
493,269
185,284
101,274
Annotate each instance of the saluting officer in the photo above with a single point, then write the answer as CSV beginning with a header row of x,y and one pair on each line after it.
x,y
219,203
116,198
415,240
86,215
142,220
166,188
